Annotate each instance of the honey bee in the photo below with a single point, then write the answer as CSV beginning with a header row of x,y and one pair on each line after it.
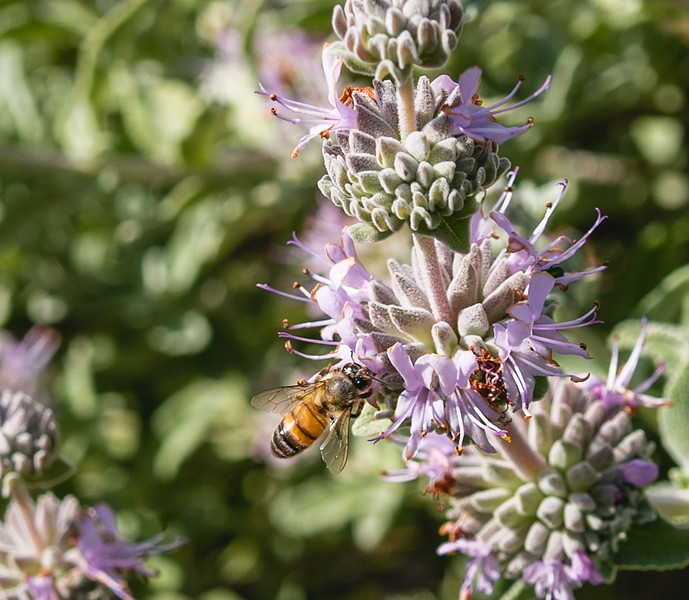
x,y
309,409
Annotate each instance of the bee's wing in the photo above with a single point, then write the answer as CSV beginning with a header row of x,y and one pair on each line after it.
x,y
335,448
282,399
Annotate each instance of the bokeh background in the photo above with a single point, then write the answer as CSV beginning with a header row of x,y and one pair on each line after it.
x,y
145,190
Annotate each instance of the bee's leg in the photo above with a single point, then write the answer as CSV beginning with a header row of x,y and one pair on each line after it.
x,y
356,410
324,371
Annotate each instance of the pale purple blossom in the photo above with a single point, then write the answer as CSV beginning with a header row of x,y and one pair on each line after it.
x,y
466,411
321,121
640,473
41,588
419,403
554,579
21,362
524,255
615,391
434,460
36,537
437,393
484,568
106,558
468,115
482,226
527,342
339,295
49,548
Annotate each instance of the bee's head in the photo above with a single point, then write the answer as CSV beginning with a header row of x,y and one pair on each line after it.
x,y
359,375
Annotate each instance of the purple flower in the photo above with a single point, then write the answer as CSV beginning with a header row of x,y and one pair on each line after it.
x,y
467,114
50,547
322,121
339,295
21,362
639,473
523,254
554,579
433,460
615,391
437,393
36,545
482,227
41,587
419,403
483,567
526,343
106,558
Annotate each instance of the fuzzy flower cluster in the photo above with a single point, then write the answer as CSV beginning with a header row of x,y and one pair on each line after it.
x,y
391,37
29,434
554,505
51,549
541,467
458,339
399,153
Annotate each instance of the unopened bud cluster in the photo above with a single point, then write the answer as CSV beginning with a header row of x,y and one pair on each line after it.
x,y
584,499
384,181
28,435
389,37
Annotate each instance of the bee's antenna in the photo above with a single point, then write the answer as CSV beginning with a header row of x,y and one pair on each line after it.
x,y
377,379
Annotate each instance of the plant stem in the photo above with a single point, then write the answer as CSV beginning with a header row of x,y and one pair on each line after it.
x,y
405,97
515,448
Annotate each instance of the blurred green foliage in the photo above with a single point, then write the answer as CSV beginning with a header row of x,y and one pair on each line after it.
x,y
144,191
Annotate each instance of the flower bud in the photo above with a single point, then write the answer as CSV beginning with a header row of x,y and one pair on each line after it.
x,y
28,435
389,37
575,510
385,182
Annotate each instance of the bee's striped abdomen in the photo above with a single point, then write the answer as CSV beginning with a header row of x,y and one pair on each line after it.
x,y
298,430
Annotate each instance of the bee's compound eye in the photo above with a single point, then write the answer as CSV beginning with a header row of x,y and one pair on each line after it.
x,y
362,382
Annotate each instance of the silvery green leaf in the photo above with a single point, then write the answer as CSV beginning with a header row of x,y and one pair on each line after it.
x,y
674,420
657,546
367,425
453,231
365,233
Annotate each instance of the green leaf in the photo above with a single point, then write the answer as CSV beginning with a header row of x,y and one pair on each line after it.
x,y
206,410
657,546
367,425
16,96
667,300
328,504
351,61
674,420
453,231
158,114
518,591
365,233
671,498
